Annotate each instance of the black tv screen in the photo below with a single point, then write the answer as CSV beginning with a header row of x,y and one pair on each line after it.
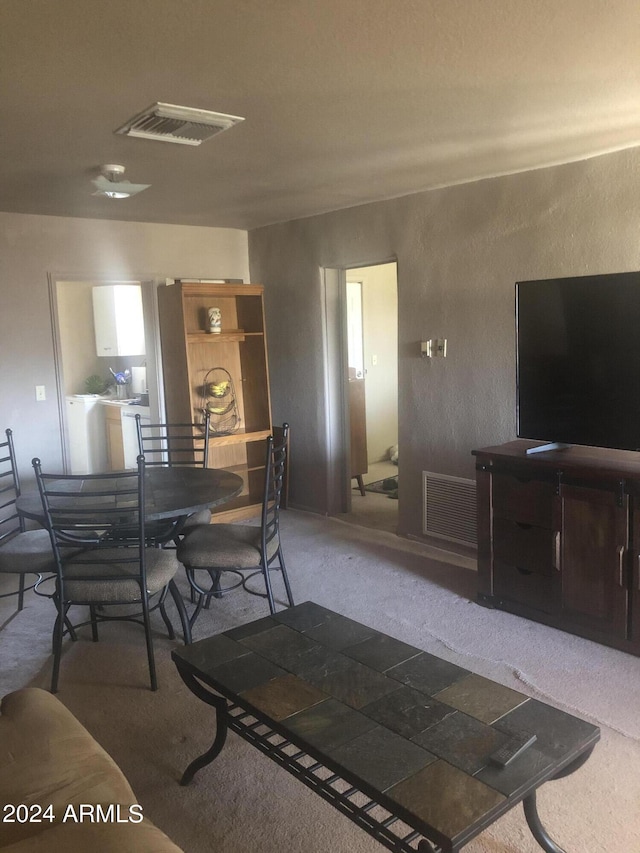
x,y
578,360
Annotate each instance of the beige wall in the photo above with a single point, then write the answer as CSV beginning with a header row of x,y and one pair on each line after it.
x,y
77,335
459,251
31,247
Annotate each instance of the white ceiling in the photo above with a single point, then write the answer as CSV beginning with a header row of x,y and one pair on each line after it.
x,y
345,101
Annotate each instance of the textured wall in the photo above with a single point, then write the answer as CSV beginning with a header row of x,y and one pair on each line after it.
x,y
31,247
459,251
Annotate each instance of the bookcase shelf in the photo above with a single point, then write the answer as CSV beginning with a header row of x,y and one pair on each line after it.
x,y
190,352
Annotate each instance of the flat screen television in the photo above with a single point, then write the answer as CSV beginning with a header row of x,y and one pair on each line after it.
x,y
578,360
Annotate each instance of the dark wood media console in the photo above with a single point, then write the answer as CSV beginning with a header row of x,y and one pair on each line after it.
x,y
559,538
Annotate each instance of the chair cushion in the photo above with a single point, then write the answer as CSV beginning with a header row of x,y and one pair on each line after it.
x,y
161,567
202,517
223,546
27,552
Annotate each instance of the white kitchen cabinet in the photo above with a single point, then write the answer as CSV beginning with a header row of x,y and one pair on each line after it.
x,y
118,319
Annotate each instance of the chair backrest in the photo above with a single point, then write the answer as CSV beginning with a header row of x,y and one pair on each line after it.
x,y
274,482
10,522
100,515
174,445
283,434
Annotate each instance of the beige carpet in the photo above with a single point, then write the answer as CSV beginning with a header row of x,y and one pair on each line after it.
x,y
243,801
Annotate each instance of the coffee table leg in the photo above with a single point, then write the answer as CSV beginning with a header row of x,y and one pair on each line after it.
x,y
537,829
220,704
531,811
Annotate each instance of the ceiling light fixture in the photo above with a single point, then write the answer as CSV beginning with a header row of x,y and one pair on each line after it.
x,y
174,123
111,183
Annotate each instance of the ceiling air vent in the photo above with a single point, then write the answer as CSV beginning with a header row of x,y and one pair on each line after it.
x,y
172,123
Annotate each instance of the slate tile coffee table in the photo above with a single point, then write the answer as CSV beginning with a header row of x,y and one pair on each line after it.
x,y
397,739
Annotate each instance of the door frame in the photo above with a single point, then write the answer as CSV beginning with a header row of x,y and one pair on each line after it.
x,y
336,389
149,285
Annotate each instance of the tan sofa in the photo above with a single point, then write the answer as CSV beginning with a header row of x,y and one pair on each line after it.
x,y
48,759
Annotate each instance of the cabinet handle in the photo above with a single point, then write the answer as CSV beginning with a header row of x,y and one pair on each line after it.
x,y
556,550
621,551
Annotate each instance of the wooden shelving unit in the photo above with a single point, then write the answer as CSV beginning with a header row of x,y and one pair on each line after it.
x,y
189,352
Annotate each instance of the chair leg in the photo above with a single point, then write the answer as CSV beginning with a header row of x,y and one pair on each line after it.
x,y
58,631
196,612
285,577
163,613
182,611
147,633
267,583
70,629
94,623
21,592
215,575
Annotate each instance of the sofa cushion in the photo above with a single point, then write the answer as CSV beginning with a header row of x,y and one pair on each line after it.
x,y
96,838
48,758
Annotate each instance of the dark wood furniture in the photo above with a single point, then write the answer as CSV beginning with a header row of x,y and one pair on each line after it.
x,y
559,538
358,431
396,739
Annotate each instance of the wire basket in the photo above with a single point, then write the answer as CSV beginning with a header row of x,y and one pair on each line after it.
x,y
219,399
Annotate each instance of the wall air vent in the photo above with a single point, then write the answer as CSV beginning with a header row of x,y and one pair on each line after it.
x,y
449,506
172,123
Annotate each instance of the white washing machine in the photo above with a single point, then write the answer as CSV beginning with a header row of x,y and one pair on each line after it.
x,y
87,434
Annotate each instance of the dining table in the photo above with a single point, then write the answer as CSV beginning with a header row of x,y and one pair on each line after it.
x,y
170,493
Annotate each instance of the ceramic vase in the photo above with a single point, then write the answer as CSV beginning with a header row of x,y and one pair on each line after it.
x,y
215,321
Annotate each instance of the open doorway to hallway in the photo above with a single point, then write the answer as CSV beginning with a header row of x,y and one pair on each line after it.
x,y
372,399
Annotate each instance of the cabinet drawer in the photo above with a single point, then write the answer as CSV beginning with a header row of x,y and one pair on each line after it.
x,y
522,586
524,500
523,545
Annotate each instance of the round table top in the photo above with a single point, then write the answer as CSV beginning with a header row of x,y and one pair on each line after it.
x,y
169,492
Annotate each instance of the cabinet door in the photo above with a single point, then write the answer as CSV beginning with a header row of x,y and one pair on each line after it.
x,y
358,426
115,445
635,576
118,319
592,564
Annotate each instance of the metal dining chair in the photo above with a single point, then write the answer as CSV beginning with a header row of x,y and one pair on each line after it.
x,y
176,445
102,555
241,549
22,552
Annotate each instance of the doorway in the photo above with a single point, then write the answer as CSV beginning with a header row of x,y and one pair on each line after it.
x,y
97,428
362,361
